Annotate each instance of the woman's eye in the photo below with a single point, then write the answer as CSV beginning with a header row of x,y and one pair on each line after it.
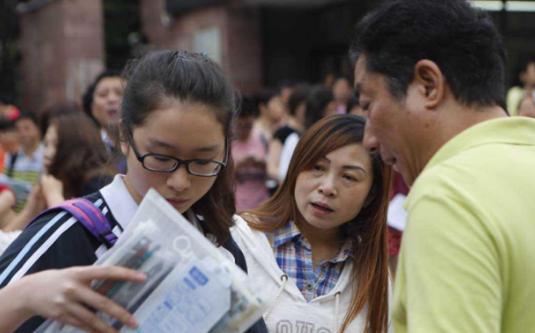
x,y
350,178
319,167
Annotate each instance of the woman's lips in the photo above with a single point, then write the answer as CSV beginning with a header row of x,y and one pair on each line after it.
x,y
320,209
113,112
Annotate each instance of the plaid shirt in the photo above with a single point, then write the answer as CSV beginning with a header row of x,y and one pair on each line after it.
x,y
294,256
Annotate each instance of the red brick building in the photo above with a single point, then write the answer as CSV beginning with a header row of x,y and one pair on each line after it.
x,y
257,42
62,50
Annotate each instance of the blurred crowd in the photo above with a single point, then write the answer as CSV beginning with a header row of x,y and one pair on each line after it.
x,y
318,175
71,150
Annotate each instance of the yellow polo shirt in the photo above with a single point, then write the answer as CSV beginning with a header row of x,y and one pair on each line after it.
x,y
467,261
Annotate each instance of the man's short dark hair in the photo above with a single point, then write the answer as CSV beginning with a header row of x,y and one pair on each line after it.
x,y
461,40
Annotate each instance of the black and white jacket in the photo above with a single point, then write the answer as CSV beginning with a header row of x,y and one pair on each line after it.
x,y
58,241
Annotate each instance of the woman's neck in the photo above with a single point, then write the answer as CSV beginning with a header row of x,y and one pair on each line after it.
x,y
325,243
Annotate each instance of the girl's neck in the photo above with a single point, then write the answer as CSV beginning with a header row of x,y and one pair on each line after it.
x,y
135,195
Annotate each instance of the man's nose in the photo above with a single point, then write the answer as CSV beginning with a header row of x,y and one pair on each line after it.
x,y
370,140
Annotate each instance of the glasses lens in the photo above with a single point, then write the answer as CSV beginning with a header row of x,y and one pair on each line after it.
x,y
159,163
204,168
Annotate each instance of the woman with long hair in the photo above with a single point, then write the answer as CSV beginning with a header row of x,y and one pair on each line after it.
x,y
75,160
319,246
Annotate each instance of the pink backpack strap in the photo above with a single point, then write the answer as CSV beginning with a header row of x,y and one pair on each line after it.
x,y
89,216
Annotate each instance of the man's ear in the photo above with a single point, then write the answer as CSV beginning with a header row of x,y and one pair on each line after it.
x,y
430,81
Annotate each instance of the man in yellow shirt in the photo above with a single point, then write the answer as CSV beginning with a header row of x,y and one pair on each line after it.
x,y
431,76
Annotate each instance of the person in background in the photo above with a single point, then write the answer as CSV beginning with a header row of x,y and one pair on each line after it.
x,y
286,89
525,85
526,106
431,76
75,160
318,245
272,114
102,102
75,164
328,79
25,165
11,222
8,114
396,219
319,103
295,124
249,155
10,144
353,107
28,164
342,92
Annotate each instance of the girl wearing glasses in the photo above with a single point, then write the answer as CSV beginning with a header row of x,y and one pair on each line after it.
x,y
318,246
175,123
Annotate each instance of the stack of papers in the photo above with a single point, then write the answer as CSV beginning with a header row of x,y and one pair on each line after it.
x,y
191,285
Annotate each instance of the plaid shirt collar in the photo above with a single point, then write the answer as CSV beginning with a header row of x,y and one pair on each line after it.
x,y
290,233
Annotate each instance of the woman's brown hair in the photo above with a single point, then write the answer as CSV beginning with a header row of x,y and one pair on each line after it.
x,y
80,156
368,229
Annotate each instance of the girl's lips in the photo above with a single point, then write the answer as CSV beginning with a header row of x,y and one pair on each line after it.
x,y
177,202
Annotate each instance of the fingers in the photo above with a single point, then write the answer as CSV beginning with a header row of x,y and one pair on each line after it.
x,y
99,302
76,303
73,322
108,273
105,305
85,319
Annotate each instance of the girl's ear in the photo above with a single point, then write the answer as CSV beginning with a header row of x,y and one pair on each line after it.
x,y
124,147
123,142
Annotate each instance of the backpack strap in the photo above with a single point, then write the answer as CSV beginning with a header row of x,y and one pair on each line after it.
x,y
236,252
92,219
89,216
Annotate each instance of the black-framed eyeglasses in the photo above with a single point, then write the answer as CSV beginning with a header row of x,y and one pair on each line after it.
x,y
167,164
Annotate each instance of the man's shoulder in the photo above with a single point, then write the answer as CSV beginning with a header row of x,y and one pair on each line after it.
x,y
431,182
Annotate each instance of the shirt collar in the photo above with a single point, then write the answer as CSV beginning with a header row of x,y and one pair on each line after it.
x,y
511,130
285,234
345,252
123,206
290,233
121,203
